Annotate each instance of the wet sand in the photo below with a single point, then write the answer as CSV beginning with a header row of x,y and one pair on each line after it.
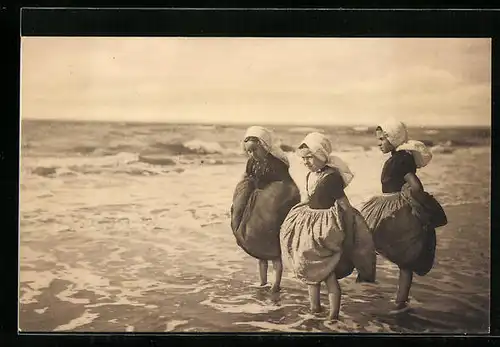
x,y
452,298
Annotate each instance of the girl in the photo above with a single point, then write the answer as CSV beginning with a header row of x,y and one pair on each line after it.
x,y
403,218
324,237
261,202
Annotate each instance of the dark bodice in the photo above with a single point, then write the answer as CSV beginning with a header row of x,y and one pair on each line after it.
x,y
395,168
328,189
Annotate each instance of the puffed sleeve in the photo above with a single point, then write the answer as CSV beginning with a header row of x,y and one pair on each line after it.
x,y
403,164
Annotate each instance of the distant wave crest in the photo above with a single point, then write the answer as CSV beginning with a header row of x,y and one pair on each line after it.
x,y
157,159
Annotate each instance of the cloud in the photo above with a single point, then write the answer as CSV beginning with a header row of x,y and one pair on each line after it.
x,y
223,78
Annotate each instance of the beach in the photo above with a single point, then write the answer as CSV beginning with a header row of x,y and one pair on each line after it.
x,y
125,228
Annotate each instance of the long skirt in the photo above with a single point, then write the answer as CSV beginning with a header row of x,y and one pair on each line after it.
x,y
404,229
318,242
257,214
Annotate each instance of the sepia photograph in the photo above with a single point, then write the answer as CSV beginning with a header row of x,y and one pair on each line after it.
x,y
254,185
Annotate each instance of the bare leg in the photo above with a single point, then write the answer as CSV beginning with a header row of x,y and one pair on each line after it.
x,y
314,294
278,272
263,272
404,285
334,293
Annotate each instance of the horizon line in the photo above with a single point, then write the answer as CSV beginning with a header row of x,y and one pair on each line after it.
x,y
237,123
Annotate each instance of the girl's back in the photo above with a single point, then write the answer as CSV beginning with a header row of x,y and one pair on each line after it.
x,y
266,171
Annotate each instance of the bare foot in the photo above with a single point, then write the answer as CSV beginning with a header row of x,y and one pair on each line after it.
x,y
275,299
260,285
275,289
336,324
316,309
400,308
333,318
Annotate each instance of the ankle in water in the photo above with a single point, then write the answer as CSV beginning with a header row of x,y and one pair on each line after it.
x,y
400,307
334,318
316,309
402,303
275,289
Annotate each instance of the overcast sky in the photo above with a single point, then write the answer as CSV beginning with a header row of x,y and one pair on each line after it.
x,y
283,80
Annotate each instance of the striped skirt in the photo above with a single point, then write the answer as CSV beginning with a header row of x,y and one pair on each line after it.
x,y
401,230
317,242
